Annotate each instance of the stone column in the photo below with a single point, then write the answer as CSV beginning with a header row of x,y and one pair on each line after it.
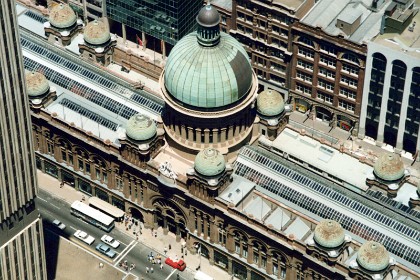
x,y
223,134
190,133
42,165
250,253
124,33
76,183
385,97
206,135
404,105
143,39
162,43
183,132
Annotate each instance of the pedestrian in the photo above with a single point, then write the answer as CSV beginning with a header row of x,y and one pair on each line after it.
x,y
161,266
147,269
169,247
165,250
151,270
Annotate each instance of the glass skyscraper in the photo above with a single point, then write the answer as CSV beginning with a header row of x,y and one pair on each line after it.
x,y
167,20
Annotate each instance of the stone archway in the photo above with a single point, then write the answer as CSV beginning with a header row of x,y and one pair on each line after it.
x,y
170,217
136,214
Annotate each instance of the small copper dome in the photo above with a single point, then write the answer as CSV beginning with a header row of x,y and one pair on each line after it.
x,y
329,234
373,256
389,167
62,16
96,32
209,162
36,84
140,128
270,103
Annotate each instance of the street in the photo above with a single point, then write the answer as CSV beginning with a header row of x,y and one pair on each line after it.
x,y
132,251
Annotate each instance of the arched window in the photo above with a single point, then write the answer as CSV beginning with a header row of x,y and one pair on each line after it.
x,y
241,244
279,265
259,254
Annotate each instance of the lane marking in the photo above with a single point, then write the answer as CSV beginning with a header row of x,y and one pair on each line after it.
x,y
73,228
125,252
42,199
173,271
55,206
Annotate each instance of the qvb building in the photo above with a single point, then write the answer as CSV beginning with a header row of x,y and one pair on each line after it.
x,y
21,237
215,166
158,23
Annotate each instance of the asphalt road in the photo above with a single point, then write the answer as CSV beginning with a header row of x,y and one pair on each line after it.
x,y
52,208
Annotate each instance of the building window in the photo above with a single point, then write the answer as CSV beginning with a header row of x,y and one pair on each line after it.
x,y
326,85
325,97
303,76
327,60
305,40
346,105
350,69
328,49
50,147
304,89
348,93
348,81
306,52
304,64
327,73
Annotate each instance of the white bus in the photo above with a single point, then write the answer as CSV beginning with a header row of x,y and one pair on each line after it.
x,y
92,216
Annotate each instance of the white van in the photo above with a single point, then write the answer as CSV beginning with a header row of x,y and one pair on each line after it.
x,y
199,275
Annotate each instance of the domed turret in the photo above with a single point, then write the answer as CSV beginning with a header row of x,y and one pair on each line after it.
x,y
62,16
329,234
140,128
207,68
209,162
389,167
208,16
36,84
270,103
96,32
373,256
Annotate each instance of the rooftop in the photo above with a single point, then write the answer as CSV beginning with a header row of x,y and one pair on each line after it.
x,y
326,12
407,42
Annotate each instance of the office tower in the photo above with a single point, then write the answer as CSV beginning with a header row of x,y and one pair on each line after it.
x,y
167,21
21,237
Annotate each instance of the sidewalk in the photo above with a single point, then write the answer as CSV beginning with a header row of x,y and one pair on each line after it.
x,y
69,194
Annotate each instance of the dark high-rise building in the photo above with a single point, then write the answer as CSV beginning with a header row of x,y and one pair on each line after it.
x,y
21,237
166,20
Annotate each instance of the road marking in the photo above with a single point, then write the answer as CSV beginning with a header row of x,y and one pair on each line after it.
x,y
42,199
73,228
123,253
173,271
55,206
123,243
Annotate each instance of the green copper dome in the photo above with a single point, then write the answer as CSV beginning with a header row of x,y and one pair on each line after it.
x,y
36,84
270,103
373,256
209,162
208,68
389,167
96,32
140,127
62,16
329,234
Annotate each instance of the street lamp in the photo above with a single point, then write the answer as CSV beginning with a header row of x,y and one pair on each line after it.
x,y
198,247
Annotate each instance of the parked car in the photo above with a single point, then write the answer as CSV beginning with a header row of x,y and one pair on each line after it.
x,y
59,224
88,239
104,249
180,265
110,241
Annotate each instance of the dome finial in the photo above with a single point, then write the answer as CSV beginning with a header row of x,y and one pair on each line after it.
x,y
208,32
